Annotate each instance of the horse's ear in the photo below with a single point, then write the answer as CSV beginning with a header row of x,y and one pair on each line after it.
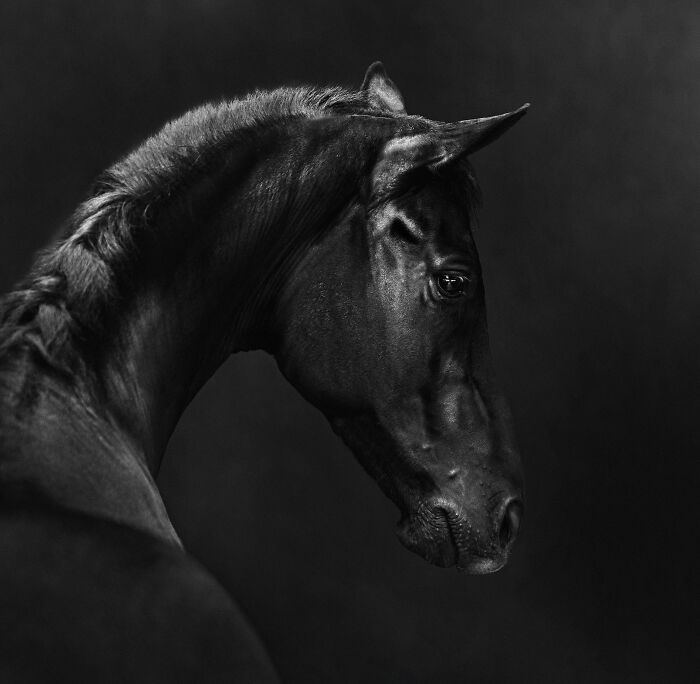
x,y
466,137
401,156
381,91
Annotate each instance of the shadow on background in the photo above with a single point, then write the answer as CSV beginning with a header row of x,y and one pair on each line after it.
x,y
590,244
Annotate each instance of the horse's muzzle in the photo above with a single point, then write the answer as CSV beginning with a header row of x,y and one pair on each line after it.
x,y
446,535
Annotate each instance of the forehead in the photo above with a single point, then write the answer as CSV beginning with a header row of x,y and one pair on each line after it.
x,y
444,209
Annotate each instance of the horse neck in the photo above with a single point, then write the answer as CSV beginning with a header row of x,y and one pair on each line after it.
x,y
242,228
233,233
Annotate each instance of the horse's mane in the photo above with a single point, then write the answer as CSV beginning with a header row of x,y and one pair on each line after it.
x,y
82,268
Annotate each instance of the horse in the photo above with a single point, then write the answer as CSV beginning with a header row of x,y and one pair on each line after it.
x,y
326,226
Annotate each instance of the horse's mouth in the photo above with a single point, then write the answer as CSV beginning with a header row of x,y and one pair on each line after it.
x,y
446,540
470,558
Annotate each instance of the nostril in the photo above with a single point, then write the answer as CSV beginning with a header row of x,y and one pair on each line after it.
x,y
510,524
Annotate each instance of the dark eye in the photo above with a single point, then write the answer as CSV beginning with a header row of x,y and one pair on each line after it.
x,y
452,284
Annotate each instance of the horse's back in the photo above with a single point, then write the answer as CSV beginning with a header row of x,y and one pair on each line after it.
x,y
87,600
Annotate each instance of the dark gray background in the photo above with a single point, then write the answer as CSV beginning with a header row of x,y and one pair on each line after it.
x,y
590,242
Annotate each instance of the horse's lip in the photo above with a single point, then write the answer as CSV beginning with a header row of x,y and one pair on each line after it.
x,y
457,549
480,565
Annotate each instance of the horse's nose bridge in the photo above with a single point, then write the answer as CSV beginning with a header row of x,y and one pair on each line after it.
x,y
475,437
461,406
479,401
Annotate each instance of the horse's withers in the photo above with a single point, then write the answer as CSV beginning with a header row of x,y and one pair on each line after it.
x,y
384,329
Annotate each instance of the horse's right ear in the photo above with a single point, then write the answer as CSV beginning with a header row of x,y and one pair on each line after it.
x,y
400,157
381,91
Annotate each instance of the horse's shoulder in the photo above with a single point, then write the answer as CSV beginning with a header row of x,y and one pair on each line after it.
x,y
82,599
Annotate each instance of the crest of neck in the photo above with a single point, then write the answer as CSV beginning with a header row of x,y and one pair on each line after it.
x,y
151,292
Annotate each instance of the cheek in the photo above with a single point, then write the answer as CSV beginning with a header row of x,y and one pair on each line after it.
x,y
334,349
400,295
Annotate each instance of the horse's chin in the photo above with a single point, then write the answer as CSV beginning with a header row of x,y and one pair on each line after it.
x,y
437,544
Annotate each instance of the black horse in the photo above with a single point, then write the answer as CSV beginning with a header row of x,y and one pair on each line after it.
x,y
325,226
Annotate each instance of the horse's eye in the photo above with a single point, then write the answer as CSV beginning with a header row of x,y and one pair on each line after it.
x,y
452,284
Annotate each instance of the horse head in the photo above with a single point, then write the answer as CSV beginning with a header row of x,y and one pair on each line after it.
x,y
384,329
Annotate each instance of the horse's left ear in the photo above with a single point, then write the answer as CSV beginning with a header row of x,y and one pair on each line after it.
x,y
381,91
